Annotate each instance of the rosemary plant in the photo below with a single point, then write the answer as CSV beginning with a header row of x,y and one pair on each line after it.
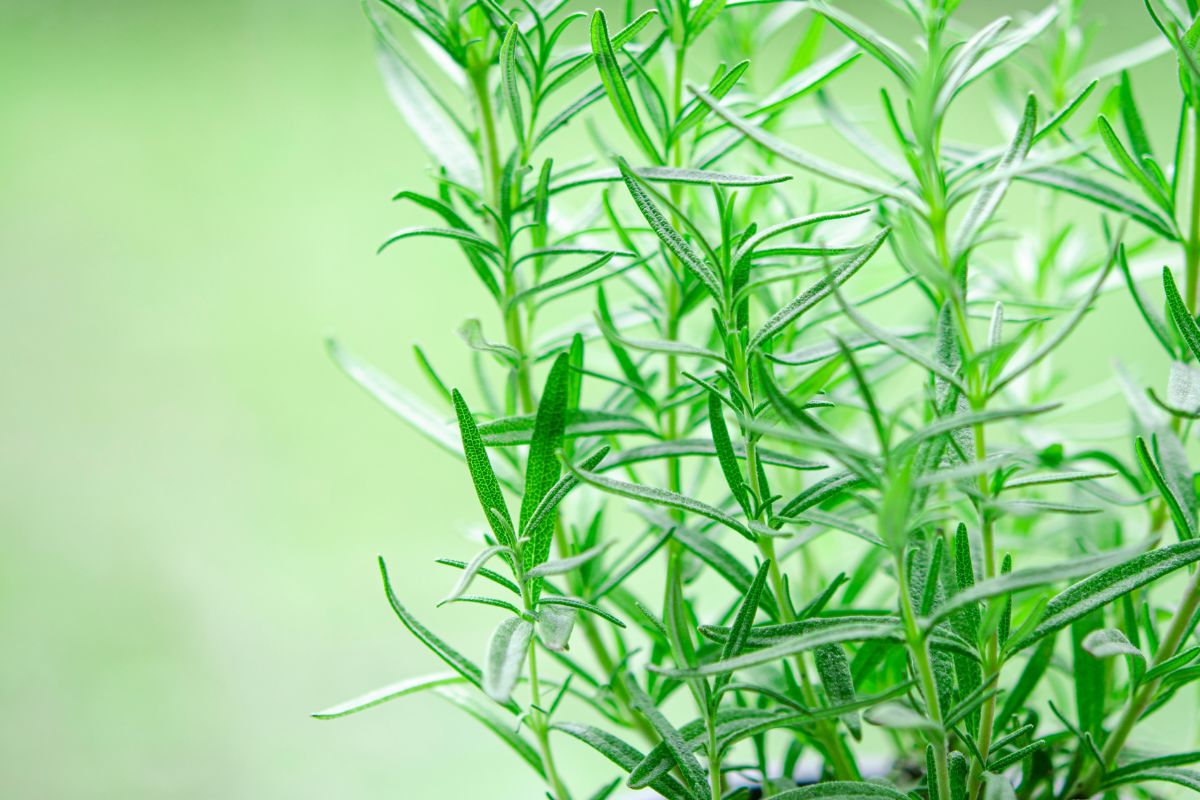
x,y
828,398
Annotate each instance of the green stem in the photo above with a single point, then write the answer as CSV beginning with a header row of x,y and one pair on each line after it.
x,y
919,647
715,781
542,731
987,715
539,721
487,123
1192,247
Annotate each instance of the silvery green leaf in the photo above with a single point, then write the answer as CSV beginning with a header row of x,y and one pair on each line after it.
x,y
471,332
543,468
808,80
1171,664
1172,492
882,50
1050,478
389,692
997,787
1109,642
434,125
506,658
850,632
472,569
897,716
564,565
803,159
509,83
463,237
1183,387
1185,322
1124,60
1034,577
397,400
555,624
1010,44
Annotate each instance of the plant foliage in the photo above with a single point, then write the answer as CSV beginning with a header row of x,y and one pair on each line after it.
x,y
773,450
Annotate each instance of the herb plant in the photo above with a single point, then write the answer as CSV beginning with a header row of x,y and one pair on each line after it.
x,y
785,499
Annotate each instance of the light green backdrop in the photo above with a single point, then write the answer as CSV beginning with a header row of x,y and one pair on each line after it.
x,y
190,495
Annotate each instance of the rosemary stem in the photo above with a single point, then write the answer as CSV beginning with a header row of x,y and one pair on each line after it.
x,y
918,645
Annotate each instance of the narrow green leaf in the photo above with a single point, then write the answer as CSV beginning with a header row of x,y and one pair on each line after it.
x,y
423,420
389,692
678,448
725,454
668,235
465,237
693,773
1034,577
510,431
853,632
614,85
804,160
739,633
1185,323
1102,195
989,197
509,81
623,754
576,603
487,488
1188,778
455,660
661,497
1134,170
1106,586
502,728
817,292
472,569
542,467
1185,525
841,790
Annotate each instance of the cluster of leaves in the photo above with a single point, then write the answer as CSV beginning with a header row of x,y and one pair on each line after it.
x,y
741,386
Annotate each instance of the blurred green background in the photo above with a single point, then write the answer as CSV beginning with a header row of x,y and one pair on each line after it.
x,y
190,198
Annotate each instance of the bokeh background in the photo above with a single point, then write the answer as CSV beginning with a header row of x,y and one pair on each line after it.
x,y
191,496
